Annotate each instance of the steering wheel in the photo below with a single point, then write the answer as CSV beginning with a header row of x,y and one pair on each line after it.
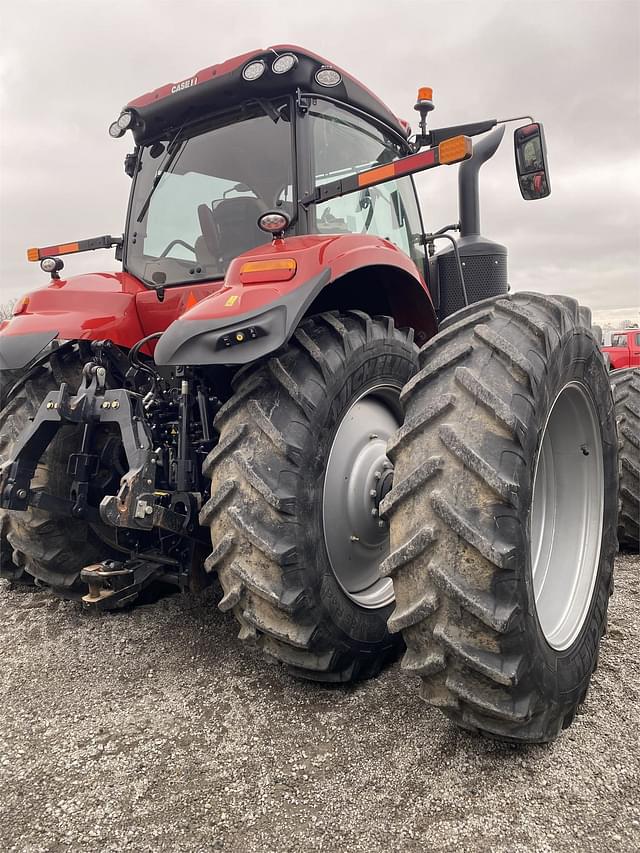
x,y
173,243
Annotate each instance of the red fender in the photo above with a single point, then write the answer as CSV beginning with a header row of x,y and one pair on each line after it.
x,y
92,307
261,308
341,254
97,306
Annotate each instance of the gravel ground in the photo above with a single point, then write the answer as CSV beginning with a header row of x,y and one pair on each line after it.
x,y
158,730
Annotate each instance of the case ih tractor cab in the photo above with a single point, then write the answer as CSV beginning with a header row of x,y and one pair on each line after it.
x,y
376,447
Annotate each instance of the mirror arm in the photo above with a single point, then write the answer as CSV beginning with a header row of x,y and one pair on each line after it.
x,y
439,134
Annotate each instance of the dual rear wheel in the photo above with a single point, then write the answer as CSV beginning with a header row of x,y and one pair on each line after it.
x,y
498,500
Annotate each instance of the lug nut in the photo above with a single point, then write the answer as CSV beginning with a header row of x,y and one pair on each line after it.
x,y
106,404
372,493
149,510
354,539
378,474
50,405
373,435
115,405
22,493
374,511
381,523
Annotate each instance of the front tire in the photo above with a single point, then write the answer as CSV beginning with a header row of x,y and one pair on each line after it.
x,y
296,479
503,515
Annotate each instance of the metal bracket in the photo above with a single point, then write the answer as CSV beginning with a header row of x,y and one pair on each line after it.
x,y
113,584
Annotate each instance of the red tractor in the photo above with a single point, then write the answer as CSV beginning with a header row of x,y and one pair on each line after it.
x,y
374,446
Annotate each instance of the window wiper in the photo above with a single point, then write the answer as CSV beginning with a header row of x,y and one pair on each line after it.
x,y
173,148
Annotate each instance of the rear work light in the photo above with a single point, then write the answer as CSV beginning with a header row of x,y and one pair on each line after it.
x,y
327,76
285,62
274,222
253,70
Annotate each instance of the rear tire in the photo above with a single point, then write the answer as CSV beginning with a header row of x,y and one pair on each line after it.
x,y
52,549
504,506
626,392
270,474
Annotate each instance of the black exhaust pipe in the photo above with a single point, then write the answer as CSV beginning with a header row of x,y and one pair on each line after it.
x,y
484,263
468,184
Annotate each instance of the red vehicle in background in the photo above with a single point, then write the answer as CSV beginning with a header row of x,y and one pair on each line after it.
x,y
624,350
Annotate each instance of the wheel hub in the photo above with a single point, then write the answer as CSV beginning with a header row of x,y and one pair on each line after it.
x,y
567,516
357,478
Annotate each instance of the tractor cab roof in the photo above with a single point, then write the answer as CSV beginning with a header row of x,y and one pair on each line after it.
x,y
223,86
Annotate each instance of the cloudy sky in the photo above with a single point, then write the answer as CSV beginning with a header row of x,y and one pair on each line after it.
x,y
67,67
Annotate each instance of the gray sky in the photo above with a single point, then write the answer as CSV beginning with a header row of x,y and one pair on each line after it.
x,y
66,69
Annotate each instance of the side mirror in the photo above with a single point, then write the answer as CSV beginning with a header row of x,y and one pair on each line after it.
x,y
531,162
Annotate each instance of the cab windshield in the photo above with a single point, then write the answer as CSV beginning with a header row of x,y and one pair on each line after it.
x,y
213,185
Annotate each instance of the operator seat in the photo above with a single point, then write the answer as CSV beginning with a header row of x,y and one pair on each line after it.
x,y
236,221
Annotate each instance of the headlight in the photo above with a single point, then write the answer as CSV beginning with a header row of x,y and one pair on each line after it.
x,y
115,130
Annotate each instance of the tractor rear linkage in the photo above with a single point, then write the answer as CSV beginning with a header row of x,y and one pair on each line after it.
x,y
137,505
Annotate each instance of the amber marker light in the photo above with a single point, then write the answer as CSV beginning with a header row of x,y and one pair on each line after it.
x,y
254,272
21,306
50,251
455,150
425,93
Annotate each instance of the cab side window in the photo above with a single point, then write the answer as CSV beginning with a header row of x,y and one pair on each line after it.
x,y
344,143
618,340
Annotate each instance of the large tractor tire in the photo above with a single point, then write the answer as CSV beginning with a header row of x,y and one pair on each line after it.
x,y
626,392
35,544
296,481
503,516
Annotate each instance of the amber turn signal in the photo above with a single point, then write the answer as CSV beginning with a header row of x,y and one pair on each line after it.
x,y
455,149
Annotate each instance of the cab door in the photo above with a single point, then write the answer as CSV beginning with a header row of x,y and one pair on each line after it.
x,y
619,350
634,349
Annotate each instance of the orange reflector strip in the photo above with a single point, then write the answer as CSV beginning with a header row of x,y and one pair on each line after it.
x,y
455,149
425,93
265,266
51,251
372,176
67,248
21,306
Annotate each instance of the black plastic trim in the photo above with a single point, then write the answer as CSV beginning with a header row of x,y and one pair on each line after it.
x,y
18,350
194,342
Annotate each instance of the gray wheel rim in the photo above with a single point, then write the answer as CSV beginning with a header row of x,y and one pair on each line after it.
x,y
357,476
567,515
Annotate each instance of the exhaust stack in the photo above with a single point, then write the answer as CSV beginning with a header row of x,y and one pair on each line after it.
x,y
484,263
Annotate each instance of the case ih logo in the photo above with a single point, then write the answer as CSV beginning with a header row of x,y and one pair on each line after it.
x,y
184,85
